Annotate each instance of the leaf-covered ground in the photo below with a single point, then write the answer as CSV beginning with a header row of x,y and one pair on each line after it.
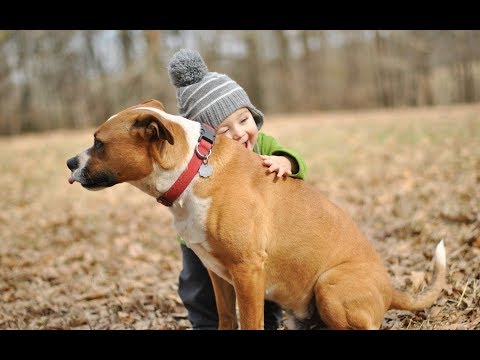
x,y
74,259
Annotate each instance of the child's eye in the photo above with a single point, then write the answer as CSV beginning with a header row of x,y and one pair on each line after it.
x,y
243,120
222,131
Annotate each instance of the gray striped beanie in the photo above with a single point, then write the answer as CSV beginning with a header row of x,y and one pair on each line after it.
x,y
203,96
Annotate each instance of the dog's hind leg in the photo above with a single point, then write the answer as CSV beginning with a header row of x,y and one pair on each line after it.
x,y
349,297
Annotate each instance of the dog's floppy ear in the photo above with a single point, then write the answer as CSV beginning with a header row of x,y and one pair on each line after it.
x,y
156,130
154,103
149,127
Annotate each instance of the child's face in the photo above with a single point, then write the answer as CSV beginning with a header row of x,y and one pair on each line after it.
x,y
240,126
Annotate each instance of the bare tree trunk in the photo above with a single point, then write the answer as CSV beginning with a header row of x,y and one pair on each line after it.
x,y
382,76
350,98
466,83
153,48
254,77
6,86
208,43
286,85
312,70
127,45
469,82
25,100
425,87
419,45
155,77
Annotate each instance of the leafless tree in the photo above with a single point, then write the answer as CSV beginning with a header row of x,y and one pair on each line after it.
x,y
76,78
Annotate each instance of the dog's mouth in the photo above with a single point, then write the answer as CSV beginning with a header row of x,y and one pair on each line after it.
x,y
99,181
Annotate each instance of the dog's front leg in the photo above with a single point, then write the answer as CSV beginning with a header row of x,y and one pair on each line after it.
x,y
249,283
225,299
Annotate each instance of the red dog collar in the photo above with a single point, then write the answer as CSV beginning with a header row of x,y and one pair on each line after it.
x,y
200,156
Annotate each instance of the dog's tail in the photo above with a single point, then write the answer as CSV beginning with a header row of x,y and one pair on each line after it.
x,y
404,301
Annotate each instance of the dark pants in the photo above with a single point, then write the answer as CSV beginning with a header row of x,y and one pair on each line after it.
x,y
196,291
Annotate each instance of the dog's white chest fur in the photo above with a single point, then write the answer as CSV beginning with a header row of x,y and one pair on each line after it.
x,y
190,220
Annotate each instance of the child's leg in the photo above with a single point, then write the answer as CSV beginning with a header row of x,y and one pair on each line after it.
x,y
273,316
196,291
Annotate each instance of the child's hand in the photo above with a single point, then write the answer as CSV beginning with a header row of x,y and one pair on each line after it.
x,y
279,164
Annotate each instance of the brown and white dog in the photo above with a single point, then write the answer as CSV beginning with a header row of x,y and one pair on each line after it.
x,y
259,236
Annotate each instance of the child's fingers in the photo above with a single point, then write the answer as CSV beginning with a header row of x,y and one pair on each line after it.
x,y
283,172
268,161
277,169
275,166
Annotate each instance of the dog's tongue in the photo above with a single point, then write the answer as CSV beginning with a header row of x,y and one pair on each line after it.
x,y
70,180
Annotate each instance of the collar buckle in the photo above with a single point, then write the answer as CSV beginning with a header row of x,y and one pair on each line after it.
x,y
164,201
207,133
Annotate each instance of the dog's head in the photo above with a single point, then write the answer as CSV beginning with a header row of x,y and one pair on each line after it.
x,y
125,148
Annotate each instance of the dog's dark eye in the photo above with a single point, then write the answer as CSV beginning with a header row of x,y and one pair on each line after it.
x,y
97,144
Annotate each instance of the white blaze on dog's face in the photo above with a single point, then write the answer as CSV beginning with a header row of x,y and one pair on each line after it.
x,y
127,145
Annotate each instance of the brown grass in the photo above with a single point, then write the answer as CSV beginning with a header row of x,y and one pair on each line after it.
x,y
74,259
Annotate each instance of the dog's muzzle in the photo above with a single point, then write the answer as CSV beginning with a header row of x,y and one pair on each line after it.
x,y
89,181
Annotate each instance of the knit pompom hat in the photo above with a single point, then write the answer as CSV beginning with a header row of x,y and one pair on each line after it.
x,y
203,96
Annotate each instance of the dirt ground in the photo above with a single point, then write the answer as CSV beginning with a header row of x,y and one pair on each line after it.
x,y
74,259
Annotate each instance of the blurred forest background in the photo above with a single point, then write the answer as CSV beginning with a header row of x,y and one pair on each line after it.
x,y
78,78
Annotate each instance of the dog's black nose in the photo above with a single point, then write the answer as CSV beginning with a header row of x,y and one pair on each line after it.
x,y
72,163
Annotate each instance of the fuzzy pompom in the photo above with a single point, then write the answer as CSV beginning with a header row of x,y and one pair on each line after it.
x,y
186,68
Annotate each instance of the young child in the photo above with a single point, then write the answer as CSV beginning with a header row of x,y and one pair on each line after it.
x,y
216,99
